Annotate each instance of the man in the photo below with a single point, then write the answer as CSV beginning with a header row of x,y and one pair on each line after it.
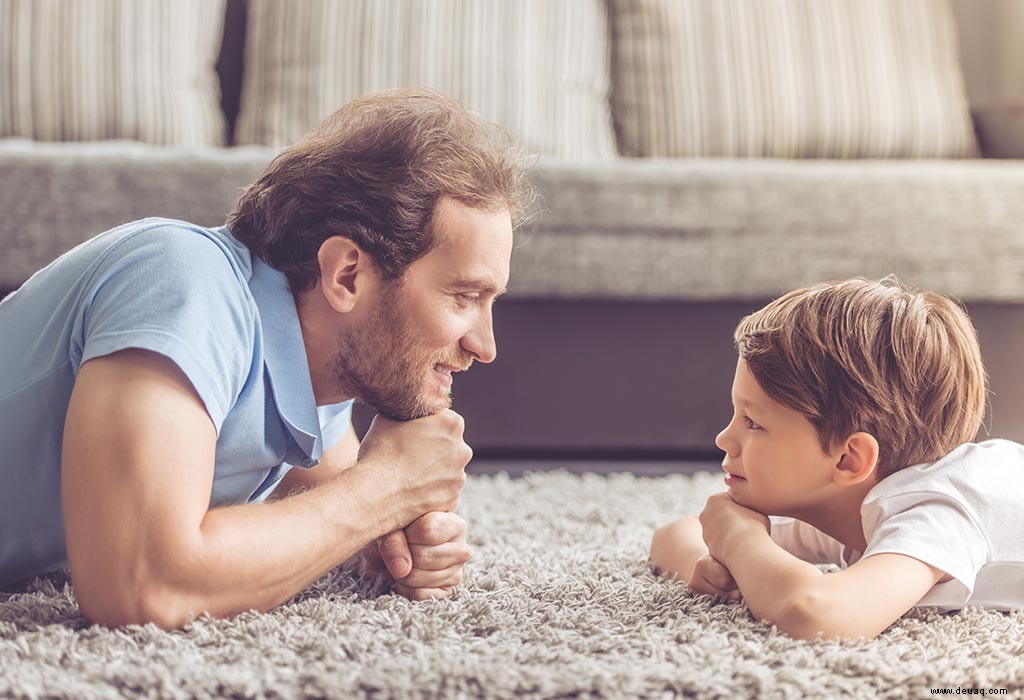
x,y
175,401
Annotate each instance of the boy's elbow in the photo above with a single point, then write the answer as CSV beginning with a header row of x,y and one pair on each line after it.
x,y
811,614
670,541
801,617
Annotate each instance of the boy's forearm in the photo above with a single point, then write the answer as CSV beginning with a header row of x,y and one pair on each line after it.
x,y
773,582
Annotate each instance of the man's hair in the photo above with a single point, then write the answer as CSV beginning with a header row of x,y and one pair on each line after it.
x,y
374,172
875,357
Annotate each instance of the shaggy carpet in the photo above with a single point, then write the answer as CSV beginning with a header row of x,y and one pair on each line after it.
x,y
557,602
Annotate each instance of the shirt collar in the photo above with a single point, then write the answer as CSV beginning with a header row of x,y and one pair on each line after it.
x,y
285,356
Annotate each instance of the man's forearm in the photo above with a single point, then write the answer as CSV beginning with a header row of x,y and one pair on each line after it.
x,y
257,556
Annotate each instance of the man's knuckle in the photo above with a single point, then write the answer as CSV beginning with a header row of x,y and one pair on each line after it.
x,y
428,531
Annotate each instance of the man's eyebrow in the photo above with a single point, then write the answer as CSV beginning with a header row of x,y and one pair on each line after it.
x,y
479,285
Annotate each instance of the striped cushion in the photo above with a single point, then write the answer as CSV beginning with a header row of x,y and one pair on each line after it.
x,y
538,67
82,70
789,79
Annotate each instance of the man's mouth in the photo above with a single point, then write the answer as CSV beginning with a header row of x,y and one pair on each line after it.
x,y
444,372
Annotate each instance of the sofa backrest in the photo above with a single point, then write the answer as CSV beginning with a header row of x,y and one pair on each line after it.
x,y
231,62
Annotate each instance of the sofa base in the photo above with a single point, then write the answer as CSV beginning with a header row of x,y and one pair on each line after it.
x,y
612,380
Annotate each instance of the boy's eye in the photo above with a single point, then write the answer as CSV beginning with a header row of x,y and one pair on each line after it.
x,y
465,298
751,425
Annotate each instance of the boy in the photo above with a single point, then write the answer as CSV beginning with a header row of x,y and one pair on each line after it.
x,y
853,406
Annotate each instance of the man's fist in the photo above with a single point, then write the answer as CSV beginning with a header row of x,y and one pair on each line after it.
x,y
425,559
425,458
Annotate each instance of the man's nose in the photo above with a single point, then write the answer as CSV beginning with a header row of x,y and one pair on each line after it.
x,y
479,342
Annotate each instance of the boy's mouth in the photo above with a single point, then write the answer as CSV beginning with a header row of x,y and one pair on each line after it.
x,y
732,478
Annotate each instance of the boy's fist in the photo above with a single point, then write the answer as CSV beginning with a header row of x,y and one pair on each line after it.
x,y
710,577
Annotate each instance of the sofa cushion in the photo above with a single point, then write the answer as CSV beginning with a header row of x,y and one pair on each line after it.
x,y
540,68
708,229
56,196
80,70
720,229
788,79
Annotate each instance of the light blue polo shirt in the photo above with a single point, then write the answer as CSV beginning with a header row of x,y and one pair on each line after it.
x,y
192,294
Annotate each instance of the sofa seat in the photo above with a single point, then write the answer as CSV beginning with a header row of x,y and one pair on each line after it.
x,y
624,229
56,195
728,229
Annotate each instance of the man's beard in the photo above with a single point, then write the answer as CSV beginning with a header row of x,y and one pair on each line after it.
x,y
383,365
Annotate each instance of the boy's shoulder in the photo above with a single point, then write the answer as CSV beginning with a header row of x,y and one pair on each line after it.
x,y
971,472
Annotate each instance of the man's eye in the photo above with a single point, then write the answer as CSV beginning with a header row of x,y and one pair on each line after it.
x,y
751,425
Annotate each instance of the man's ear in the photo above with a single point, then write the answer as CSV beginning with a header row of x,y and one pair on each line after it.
x,y
858,460
346,272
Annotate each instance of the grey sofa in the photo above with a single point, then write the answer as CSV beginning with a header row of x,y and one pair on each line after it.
x,y
615,338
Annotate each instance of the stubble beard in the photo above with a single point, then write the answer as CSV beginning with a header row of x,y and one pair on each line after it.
x,y
383,366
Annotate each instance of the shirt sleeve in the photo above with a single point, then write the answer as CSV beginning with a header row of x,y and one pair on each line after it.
x,y
177,292
935,529
805,541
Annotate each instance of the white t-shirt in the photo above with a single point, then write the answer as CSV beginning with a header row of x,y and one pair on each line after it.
x,y
963,514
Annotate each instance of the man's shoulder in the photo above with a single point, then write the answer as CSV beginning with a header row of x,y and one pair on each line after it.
x,y
175,245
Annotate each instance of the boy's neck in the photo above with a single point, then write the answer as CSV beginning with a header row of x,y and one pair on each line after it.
x,y
839,516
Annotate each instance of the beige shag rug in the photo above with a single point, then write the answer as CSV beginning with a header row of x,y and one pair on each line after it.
x,y
558,602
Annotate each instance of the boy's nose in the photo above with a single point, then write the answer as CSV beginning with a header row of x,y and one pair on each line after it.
x,y
724,443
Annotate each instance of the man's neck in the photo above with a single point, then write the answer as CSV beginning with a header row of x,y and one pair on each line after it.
x,y
314,320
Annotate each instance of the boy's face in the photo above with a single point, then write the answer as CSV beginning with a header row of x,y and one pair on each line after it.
x,y
773,458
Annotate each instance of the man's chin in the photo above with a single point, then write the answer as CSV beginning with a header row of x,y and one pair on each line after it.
x,y
421,409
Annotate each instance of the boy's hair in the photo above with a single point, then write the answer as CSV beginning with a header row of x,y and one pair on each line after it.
x,y
374,172
875,357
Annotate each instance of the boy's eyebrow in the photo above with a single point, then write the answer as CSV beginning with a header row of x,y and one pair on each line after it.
x,y
747,403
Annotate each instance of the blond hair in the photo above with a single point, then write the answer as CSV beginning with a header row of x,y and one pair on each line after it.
x,y
374,172
869,356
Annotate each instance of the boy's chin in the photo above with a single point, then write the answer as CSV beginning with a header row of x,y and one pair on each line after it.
x,y
753,503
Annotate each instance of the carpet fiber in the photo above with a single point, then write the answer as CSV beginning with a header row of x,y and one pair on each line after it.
x,y
557,602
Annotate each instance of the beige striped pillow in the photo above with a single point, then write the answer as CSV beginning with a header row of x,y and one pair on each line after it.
x,y
538,67
83,70
789,79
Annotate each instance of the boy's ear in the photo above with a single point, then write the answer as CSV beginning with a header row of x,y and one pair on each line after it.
x,y
346,272
858,460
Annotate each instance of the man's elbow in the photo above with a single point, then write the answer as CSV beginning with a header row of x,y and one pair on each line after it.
x,y
136,588
140,604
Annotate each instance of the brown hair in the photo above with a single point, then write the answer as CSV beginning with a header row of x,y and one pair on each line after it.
x,y
875,357
374,172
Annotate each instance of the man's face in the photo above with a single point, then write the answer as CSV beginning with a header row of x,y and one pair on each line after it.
x,y
433,322
773,458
